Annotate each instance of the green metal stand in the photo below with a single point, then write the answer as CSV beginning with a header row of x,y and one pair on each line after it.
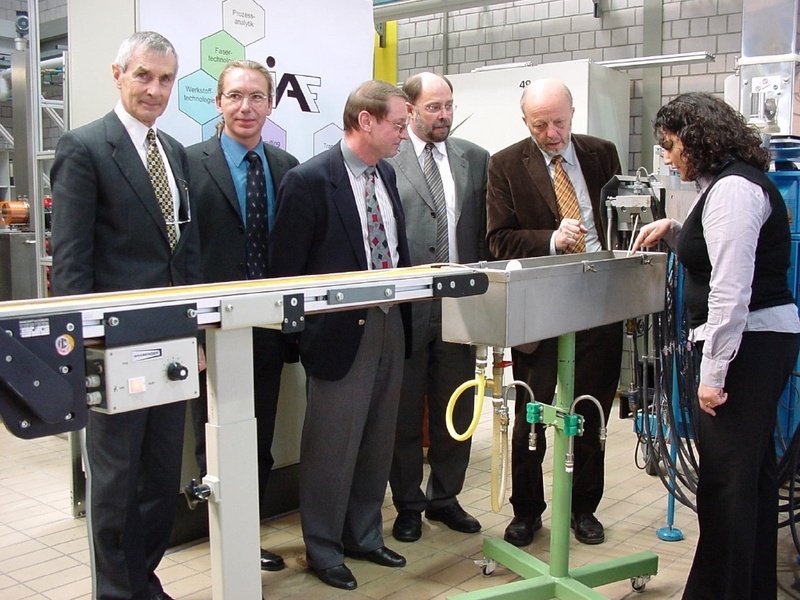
x,y
543,582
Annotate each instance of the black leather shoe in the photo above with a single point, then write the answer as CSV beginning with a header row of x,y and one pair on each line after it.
x,y
455,517
271,561
382,556
407,526
588,530
339,577
520,531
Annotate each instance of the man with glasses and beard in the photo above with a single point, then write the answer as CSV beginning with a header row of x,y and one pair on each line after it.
x,y
442,185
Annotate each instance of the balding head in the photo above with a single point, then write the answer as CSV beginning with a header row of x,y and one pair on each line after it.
x,y
545,90
547,112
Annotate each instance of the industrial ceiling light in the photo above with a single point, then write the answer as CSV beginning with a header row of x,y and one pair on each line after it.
x,y
660,60
391,10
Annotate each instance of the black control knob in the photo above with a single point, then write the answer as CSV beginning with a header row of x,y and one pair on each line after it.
x,y
177,372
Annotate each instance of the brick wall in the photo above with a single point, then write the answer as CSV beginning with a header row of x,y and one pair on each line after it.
x,y
544,31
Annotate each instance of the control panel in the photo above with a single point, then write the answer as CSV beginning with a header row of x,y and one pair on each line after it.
x,y
127,378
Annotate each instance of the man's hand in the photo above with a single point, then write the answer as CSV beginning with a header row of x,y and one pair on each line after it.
x,y
567,234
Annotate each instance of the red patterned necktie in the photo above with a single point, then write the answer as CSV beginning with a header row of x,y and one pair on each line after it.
x,y
378,244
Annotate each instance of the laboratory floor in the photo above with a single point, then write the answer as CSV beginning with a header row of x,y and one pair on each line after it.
x,y
44,553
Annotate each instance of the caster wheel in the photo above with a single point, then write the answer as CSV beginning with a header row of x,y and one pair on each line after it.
x,y
488,568
639,583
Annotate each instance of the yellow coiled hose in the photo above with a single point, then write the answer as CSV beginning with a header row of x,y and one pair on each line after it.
x,y
480,384
500,444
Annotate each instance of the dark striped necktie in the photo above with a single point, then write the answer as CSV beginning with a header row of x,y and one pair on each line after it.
x,y
434,180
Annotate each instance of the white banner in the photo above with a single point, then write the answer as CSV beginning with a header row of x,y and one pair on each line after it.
x,y
318,51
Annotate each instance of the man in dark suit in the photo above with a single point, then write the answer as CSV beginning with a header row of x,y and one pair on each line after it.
x,y
526,218
120,222
447,198
220,186
338,212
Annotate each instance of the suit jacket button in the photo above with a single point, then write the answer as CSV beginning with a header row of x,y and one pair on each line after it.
x,y
432,249
361,321
433,214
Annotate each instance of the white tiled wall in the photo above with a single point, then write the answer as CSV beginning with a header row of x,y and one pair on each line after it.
x,y
542,31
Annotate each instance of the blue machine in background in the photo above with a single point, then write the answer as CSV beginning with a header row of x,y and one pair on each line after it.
x,y
788,182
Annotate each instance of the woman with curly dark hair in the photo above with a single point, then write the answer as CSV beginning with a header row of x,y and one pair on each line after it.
x,y
734,245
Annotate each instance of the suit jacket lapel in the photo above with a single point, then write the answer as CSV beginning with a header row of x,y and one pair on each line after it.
x,y
278,165
345,202
459,167
590,167
407,163
534,164
385,171
217,167
130,163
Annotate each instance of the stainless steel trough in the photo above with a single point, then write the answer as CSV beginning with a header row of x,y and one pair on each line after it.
x,y
539,298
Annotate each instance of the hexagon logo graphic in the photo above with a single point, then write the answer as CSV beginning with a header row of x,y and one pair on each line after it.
x,y
196,94
326,137
218,50
244,19
274,134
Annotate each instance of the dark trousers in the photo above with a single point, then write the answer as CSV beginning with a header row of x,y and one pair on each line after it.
x,y
598,358
346,449
134,468
435,369
267,368
737,492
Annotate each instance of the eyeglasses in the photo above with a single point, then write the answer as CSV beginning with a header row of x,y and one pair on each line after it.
x,y
255,99
401,127
436,107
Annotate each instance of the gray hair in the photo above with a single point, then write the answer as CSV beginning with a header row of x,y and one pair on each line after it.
x,y
143,40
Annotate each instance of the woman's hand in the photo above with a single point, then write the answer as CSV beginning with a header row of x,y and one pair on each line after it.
x,y
651,234
710,398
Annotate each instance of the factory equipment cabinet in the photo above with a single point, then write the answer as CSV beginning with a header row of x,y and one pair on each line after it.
x,y
17,265
788,182
6,174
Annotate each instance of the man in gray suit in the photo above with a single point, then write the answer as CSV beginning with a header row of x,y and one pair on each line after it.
x,y
121,221
227,171
442,185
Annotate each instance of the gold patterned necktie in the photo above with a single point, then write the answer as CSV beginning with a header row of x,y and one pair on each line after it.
x,y
567,201
434,180
158,177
